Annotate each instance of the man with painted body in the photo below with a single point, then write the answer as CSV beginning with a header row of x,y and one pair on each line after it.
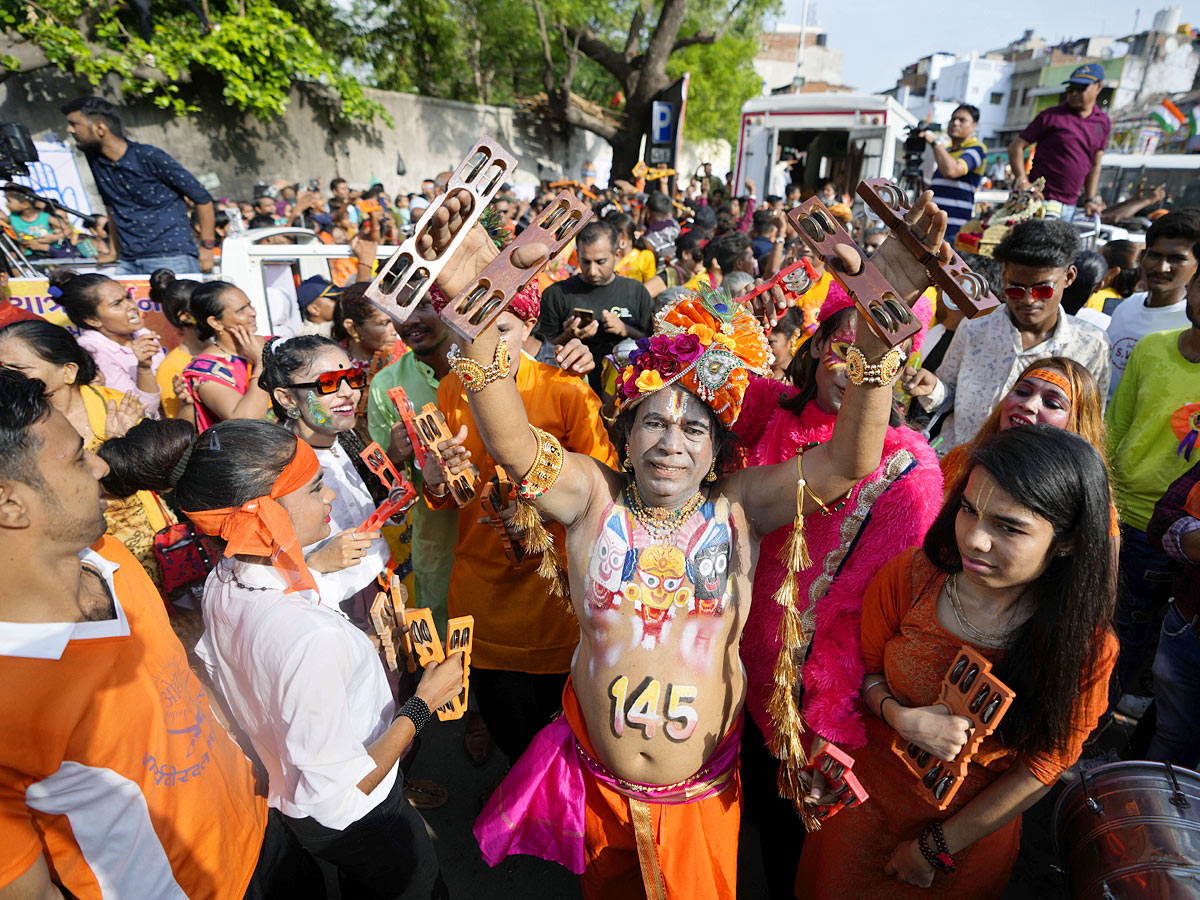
x,y
660,558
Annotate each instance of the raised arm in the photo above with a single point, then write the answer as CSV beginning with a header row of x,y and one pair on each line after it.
x,y
856,446
498,409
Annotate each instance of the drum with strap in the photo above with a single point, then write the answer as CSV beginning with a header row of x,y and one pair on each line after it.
x,y
1131,830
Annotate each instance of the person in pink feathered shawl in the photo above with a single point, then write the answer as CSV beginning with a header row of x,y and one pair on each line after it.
x,y
887,512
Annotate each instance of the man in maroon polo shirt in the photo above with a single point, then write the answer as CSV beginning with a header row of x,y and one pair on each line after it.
x,y
1070,140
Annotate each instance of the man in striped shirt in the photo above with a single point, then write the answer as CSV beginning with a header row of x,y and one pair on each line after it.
x,y
959,168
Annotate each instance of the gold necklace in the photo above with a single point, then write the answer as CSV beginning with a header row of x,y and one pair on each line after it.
x,y
662,523
960,614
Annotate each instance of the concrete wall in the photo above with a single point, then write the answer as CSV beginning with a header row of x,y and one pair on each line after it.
x,y
431,135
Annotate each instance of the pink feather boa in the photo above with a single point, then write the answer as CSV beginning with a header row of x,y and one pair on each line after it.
x,y
899,519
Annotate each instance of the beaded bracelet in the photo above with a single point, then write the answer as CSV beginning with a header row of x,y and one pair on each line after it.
x,y
941,860
546,468
474,376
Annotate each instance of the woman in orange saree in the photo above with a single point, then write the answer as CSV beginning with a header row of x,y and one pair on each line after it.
x,y
1018,566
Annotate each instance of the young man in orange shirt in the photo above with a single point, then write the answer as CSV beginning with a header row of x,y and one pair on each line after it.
x,y
116,780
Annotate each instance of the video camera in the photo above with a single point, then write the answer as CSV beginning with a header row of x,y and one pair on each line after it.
x,y
16,149
914,148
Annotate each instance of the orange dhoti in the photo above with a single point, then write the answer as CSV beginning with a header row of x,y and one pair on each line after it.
x,y
678,842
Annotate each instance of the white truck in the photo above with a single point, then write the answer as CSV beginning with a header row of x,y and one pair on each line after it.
x,y
842,138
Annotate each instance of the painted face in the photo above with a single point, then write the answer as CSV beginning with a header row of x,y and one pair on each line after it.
x,y
659,582
1003,544
308,508
608,564
1033,401
831,373
325,413
711,566
670,446
116,311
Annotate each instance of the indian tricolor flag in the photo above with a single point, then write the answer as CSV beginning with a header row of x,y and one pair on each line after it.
x,y
1168,117
1194,121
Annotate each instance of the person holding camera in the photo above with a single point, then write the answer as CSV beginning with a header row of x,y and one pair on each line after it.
x,y
960,167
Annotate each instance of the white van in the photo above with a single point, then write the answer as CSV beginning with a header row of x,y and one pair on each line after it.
x,y
845,138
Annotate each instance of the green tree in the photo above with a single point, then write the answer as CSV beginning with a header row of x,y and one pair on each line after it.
x,y
642,45
254,53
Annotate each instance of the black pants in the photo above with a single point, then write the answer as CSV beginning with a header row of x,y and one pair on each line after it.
x,y
779,825
284,868
516,705
385,855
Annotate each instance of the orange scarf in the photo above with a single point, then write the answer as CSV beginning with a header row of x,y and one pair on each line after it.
x,y
261,527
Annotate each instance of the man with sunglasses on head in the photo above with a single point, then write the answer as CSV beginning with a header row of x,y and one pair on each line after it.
x,y
1070,140
987,354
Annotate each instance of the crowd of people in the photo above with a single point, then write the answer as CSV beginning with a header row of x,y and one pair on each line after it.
x,y
723,506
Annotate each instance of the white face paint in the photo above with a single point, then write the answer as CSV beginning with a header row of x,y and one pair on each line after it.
x,y
677,405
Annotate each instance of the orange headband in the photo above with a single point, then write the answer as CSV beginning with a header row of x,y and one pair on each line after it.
x,y
261,527
1049,375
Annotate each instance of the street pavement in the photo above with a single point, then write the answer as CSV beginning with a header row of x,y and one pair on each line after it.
x,y
443,759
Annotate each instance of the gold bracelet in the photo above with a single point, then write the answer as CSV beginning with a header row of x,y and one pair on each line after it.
x,y
546,468
474,376
879,374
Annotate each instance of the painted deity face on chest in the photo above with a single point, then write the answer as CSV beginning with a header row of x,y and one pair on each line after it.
x,y
660,583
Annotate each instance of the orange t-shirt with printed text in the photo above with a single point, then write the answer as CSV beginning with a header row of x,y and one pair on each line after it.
x,y
113,766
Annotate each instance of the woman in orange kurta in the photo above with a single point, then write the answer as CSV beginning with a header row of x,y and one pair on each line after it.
x,y
1017,567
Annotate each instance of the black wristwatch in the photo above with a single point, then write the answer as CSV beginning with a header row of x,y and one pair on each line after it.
x,y
208,245
417,710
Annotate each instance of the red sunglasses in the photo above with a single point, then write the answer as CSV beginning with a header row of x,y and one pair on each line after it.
x,y
1038,291
328,382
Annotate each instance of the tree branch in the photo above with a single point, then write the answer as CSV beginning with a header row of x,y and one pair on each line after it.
x,y
578,116
596,49
634,40
547,55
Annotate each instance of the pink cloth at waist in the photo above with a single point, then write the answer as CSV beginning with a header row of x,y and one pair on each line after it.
x,y
539,807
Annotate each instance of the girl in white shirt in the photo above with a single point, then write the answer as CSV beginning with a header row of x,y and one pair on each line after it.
x,y
305,684
315,391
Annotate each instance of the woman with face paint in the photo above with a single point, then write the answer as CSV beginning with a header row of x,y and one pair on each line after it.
x,y
315,390
1053,391
889,510
1016,567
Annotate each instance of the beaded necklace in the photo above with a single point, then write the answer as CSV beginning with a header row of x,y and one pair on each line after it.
x,y
661,523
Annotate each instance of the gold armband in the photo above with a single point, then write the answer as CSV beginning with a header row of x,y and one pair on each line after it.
x,y
474,376
879,374
547,466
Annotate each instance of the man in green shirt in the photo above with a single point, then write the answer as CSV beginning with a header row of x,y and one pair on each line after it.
x,y
1153,428
419,372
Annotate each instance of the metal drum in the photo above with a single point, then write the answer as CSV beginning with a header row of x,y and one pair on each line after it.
x,y
1131,831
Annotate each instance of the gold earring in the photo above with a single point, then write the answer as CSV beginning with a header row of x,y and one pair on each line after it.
x,y
67,376
627,465
712,473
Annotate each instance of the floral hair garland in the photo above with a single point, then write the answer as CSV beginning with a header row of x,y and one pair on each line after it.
x,y
706,344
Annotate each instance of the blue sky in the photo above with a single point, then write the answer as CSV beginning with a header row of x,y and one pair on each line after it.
x,y
879,37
